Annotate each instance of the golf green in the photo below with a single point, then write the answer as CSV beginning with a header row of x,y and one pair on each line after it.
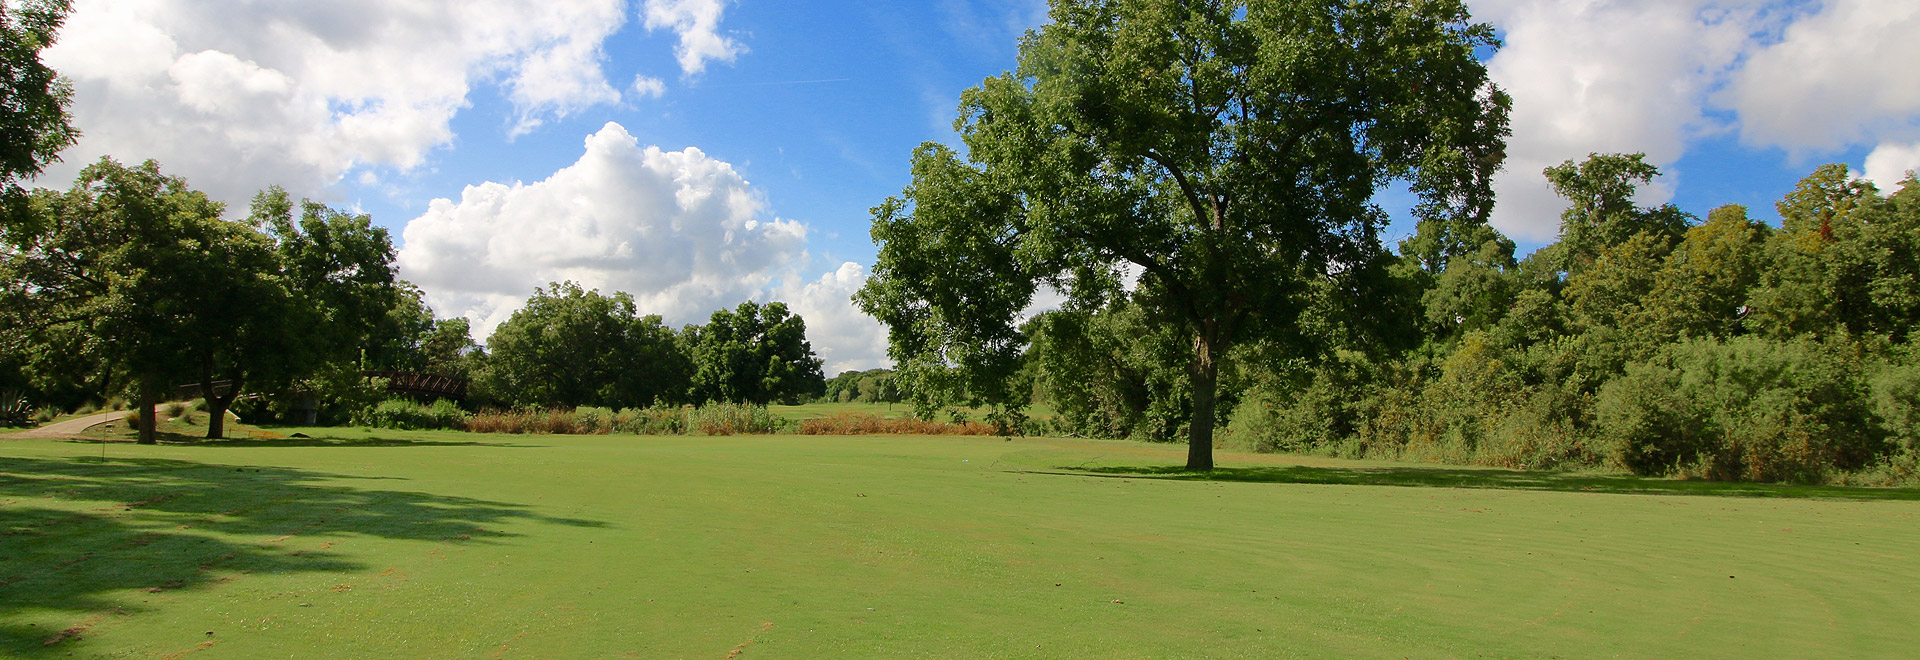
x,y
378,544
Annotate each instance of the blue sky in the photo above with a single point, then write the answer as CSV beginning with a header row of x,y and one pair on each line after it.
x,y
701,152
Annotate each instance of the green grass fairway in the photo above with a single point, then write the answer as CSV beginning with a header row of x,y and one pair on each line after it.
x,y
375,544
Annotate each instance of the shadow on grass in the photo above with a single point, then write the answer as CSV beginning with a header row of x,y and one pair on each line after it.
x,y
84,540
166,438
1441,477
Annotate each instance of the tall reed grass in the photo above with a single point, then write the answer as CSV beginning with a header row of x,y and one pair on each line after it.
x,y
711,419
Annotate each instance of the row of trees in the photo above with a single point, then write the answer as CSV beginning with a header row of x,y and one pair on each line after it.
x,y
573,347
1645,339
132,283
870,386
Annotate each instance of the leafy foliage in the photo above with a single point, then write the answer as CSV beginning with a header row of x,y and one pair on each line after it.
x,y
571,346
34,125
1229,151
755,354
407,415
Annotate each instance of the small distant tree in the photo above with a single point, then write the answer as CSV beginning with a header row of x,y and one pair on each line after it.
x,y
754,354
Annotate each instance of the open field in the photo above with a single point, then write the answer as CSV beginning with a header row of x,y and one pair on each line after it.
x,y
359,543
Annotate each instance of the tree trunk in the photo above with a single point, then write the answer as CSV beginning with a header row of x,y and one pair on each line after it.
x,y
148,420
1206,379
217,407
216,403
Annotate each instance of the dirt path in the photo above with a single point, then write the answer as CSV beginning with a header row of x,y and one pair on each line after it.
x,y
72,427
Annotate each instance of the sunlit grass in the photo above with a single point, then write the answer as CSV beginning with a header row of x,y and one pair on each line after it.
x,y
371,543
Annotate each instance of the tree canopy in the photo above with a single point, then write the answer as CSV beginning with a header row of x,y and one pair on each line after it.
x,y
34,125
1227,151
754,354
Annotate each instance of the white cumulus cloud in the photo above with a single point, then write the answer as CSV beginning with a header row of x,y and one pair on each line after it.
x,y
238,95
1656,76
1889,165
648,87
683,232
1843,76
697,23
844,337
1603,76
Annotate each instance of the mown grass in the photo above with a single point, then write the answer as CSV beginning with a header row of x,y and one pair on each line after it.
x,y
363,543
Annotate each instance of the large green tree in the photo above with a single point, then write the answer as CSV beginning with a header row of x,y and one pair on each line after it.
x,y
127,274
754,353
571,346
34,125
1228,151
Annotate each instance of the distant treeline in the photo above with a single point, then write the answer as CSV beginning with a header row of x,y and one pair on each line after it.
x,y
131,283
1644,339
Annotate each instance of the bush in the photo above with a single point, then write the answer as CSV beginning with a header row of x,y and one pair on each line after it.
x,y
409,416
1745,409
1896,401
653,420
174,410
734,418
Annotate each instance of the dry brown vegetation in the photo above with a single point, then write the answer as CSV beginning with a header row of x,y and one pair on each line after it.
x,y
870,424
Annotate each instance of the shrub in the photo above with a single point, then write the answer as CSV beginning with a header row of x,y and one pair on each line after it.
x,y
653,420
1743,409
132,420
173,410
733,418
1896,401
15,410
409,416
45,414
590,420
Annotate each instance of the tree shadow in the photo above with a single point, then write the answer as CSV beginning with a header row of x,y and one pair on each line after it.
x,y
196,441
1441,477
84,538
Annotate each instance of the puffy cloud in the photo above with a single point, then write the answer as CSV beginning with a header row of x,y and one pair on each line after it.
x,y
683,232
1655,76
1839,77
697,23
1890,164
1603,76
648,87
845,337
310,90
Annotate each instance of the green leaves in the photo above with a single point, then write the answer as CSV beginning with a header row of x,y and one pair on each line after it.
x,y
569,346
1227,151
34,125
755,354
